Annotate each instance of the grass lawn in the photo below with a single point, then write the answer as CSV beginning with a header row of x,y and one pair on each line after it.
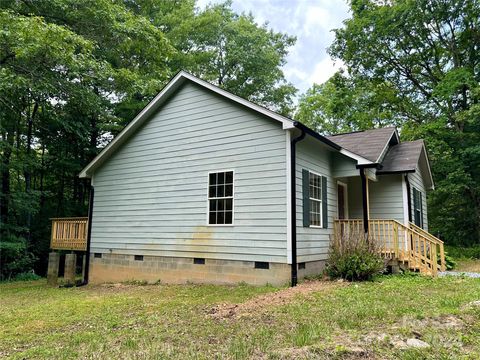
x,y
316,320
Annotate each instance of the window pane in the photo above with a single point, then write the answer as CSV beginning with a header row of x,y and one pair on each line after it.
x,y
229,177
228,190
220,191
221,205
221,178
228,217
213,205
220,217
228,204
212,191
212,218
212,179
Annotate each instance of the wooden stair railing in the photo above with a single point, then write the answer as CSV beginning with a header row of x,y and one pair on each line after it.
x,y
415,249
69,233
434,239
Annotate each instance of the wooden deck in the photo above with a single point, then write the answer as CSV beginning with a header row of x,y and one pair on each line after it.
x,y
69,234
410,246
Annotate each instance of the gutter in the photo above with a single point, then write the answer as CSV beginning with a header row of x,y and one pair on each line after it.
x,y
293,193
317,136
89,237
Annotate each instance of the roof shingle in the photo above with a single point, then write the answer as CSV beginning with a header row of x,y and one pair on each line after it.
x,y
368,144
402,157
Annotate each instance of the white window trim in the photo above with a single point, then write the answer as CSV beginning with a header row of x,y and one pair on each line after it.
x,y
233,199
321,200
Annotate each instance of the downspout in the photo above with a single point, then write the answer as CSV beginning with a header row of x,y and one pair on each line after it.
x,y
89,236
409,198
364,199
293,204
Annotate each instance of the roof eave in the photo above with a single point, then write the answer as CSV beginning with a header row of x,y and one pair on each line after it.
x,y
171,86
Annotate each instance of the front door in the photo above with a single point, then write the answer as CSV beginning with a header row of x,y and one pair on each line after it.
x,y
342,200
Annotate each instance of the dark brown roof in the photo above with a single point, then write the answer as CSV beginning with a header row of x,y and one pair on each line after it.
x,y
368,144
402,157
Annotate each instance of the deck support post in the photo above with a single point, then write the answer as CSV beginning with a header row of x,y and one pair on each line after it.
x,y
53,266
70,263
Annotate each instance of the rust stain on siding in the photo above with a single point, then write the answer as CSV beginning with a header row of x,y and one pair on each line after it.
x,y
201,235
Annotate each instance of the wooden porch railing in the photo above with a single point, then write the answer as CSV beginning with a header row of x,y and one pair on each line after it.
x,y
69,233
414,248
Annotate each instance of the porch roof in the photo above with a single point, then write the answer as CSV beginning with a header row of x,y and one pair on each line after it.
x,y
402,157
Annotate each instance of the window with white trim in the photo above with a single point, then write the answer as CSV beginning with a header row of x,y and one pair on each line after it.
x,y
315,195
220,198
417,207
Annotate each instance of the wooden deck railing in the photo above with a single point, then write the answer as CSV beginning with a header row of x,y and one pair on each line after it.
x,y
411,246
69,234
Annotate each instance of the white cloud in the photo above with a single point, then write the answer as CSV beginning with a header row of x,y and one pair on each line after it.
x,y
311,21
324,69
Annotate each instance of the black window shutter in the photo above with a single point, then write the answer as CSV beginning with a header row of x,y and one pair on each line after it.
x,y
420,202
324,203
306,197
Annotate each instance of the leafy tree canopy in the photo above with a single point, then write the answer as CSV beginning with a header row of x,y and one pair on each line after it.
x,y
72,73
415,64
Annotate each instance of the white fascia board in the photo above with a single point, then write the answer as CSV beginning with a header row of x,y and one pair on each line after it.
x,y
386,147
424,150
159,99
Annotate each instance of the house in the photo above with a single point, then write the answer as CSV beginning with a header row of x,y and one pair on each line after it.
x,y
204,186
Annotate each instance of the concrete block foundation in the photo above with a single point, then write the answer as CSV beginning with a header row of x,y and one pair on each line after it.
x,y
175,270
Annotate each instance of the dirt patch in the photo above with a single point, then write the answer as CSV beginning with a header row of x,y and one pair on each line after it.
x,y
277,298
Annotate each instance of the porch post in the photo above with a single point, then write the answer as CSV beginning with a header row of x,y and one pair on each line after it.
x,y
364,199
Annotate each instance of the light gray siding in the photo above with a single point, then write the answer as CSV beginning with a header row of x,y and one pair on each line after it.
x,y
416,181
385,197
343,166
151,195
313,243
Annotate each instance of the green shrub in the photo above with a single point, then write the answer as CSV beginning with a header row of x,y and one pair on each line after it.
x,y
464,252
26,276
450,264
354,257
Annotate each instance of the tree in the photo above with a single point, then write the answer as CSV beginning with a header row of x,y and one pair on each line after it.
x,y
73,73
226,49
344,104
427,53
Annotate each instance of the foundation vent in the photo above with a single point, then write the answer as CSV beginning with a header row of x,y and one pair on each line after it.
x,y
262,265
97,255
138,257
199,261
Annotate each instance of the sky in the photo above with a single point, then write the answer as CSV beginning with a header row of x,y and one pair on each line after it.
x,y
311,21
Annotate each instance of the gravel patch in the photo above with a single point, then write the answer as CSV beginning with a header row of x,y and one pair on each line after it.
x,y
460,273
